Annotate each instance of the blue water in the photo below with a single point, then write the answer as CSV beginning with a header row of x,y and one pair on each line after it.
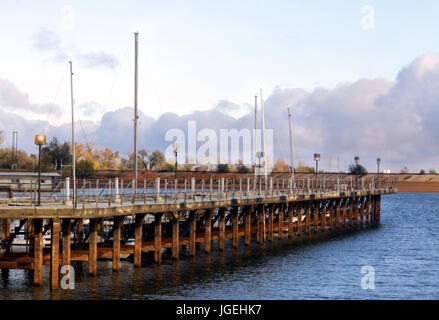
x,y
403,251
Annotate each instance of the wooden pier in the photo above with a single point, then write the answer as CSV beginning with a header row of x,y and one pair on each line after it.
x,y
99,227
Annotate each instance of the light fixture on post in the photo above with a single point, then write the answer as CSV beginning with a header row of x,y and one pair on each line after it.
x,y
317,159
378,165
176,149
40,140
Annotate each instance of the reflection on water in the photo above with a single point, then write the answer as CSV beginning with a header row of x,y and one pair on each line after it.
x,y
404,251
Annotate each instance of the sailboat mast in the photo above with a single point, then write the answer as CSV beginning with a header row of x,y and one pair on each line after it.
x,y
263,138
291,143
255,135
136,34
73,136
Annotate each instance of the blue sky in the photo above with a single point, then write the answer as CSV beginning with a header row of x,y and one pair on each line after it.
x,y
199,55
195,53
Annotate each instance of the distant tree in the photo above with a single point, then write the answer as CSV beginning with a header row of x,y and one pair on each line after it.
x,y
422,171
187,167
157,160
357,169
280,166
304,169
222,168
405,170
242,168
58,154
432,171
2,137
85,169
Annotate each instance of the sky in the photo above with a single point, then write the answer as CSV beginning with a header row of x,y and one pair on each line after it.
x,y
213,56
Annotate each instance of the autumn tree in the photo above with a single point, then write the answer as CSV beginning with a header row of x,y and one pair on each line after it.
x,y
280,166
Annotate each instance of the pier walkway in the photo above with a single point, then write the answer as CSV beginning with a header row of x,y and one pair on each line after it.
x,y
107,220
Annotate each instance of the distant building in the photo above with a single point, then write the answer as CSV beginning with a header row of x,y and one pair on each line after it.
x,y
386,171
21,181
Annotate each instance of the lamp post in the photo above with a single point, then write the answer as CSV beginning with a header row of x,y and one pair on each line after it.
x,y
176,149
378,165
40,140
357,163
317,159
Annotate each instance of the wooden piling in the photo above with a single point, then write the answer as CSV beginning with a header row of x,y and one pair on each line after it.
x,y
222,229
345,213
175,236
158,238
54,253
235,228
316,216
138,239
259,225
247,225
208,231
38,252
290,220
323,223
5,231
192,233
66,242
280,229
331,214
308,218
93,247
271,210
117,226
299,219
337,213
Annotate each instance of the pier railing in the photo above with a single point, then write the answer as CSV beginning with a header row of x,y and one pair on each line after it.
x,y
110,192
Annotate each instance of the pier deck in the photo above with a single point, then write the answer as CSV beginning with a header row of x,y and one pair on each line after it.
x,y
108,225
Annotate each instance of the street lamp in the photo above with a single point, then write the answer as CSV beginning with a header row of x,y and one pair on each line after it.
x,y
176,149
40,140
317,159
378,164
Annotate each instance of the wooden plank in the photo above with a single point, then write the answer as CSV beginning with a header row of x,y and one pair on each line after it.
x,y
138,239
54,253
117,230
93,247
158,238
38,252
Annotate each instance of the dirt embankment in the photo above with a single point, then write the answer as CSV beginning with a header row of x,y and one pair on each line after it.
x,y
417,182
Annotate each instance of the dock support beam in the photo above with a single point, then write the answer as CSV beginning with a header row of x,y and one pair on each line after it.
x,y
192,233
280,229
158,238
271,210
5,231
299,219
247,224
235,228
54,254
93,247
66,243
316,216
138,239
175,236
117,226
207,231
308,218
290,220
222,229
324,211
38,252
